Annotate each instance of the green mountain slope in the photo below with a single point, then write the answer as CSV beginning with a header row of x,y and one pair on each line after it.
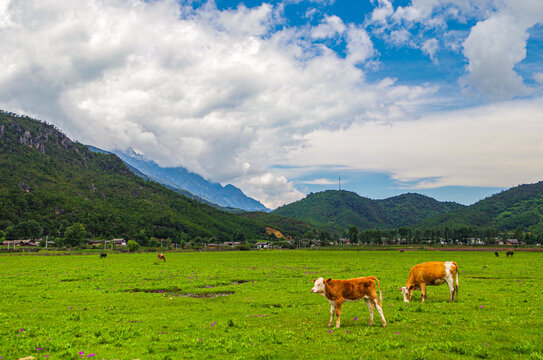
x,y
520,207
46,177
338,210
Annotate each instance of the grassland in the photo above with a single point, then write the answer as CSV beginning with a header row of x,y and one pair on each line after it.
x,y
258,305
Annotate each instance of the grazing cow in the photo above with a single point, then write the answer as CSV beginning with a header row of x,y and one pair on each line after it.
x,y
496,253
161,256
431,273
510,253
103,255
401,250
338,291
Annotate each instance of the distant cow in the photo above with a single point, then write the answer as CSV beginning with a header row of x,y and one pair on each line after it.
x,y
510,253
161,256
431,273
338,291
103,255
401,250
496,253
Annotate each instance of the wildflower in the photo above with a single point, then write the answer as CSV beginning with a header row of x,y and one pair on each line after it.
x,y
486,344
200,339
398,333
38,348
81,352
90,355
346,331
481,306
355,319
330,331
21,330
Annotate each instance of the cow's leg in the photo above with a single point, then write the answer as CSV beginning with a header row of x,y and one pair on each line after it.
x,y
338,314
380,311
332,310
423,291
370,309
451,289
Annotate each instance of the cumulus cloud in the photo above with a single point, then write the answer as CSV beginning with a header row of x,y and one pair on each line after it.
x,y
224,93
494,145
329,27
495,45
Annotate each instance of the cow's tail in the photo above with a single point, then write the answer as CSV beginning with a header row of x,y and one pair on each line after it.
x,y
456,279
379,285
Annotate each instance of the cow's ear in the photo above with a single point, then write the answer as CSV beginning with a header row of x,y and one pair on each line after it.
x,y
314,280
328,279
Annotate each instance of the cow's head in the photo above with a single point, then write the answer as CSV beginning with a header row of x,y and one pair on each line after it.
x,y
318,286
406,293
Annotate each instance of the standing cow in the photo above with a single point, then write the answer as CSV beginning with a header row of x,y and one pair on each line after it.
x,y
431,273
496,253
510,253
338,291
161,256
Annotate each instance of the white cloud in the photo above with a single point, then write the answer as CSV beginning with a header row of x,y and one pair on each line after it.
x,y
220,92
538,77
321,181
328,28
359,45
430,48
497,44
267,186
496,145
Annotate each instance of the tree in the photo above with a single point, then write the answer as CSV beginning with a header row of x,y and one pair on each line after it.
x,y
324,236
74,235
353,234
132,246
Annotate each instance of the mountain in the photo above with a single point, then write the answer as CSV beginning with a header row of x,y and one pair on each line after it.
x,y
176,189
180,178
48,178
520,207
338,210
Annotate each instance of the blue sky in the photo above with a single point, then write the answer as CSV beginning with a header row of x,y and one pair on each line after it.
x,y
281,98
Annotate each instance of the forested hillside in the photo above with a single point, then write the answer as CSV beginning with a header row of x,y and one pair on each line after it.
x,y
46,178
520,207
336,211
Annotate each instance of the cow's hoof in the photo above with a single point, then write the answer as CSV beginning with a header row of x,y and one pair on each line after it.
x,y
385,325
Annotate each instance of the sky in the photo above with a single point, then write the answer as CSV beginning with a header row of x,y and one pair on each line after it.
x,y
283,98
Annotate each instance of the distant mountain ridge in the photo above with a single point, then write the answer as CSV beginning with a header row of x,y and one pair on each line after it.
x,y
336,210
181,178
520,207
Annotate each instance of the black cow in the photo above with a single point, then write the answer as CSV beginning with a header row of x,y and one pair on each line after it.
x,y
510,253
496,253
103,255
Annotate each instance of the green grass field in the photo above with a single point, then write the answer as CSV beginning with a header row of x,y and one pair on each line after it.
x,y
258,305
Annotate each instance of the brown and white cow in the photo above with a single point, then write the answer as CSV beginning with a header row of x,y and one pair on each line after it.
x,y
431,273
161,256
338,291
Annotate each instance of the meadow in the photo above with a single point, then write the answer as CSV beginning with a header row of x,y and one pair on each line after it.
x,y
258,305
